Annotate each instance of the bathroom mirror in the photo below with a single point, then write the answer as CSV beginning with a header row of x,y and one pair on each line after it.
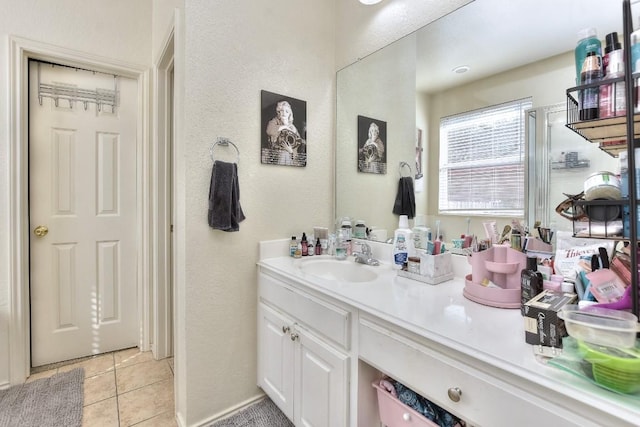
x,y
513,50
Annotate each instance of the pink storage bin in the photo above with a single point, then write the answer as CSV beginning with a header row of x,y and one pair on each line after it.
x,y
394,413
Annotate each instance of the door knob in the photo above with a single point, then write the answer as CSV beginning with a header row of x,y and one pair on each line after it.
x,y
40,231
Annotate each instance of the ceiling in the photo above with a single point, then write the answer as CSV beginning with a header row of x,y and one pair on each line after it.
x,y
491,36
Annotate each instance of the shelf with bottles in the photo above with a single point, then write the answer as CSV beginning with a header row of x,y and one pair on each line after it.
x,y
570,160
610,133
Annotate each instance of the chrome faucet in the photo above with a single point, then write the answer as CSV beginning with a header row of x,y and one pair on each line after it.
x,y
364,256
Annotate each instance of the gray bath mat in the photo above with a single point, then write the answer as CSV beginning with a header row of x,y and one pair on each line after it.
x,y
47,402
262,414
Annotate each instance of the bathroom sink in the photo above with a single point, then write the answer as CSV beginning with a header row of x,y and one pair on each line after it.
x,y
337,270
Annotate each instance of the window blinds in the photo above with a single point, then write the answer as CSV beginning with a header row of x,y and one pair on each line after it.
x,y
482,161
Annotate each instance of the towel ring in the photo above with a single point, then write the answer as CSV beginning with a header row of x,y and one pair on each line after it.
x,y
403,164
225,143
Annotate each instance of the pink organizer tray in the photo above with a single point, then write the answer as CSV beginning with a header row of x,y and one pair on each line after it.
x,y
501,265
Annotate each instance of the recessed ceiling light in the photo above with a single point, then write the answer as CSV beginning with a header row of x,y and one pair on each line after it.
x,y
370,2
461,69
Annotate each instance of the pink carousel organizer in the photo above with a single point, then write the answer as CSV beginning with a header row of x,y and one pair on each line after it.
x,y
502,266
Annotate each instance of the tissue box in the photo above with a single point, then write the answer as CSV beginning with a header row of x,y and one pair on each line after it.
x,y
542,325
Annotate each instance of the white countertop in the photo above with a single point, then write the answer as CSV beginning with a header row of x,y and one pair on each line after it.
x,y
442,314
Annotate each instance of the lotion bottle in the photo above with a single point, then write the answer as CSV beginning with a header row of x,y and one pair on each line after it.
x,y
531,282
402,243
420,233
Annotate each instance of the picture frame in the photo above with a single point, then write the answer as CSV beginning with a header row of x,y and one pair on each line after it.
x,y
283,130
372,145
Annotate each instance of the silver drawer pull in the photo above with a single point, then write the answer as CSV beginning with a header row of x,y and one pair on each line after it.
x,y
294,336
454,394
285,329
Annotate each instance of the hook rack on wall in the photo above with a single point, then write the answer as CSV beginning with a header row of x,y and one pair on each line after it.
x,y
73,94
403,164
224,142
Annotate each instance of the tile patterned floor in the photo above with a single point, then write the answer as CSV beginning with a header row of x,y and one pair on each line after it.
x,y
124,388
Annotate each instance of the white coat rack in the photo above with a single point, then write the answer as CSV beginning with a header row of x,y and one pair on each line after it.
x,y
72,94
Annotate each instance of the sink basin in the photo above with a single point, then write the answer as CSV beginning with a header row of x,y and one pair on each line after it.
x,y
339,271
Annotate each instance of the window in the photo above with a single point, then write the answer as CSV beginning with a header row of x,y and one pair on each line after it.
x,y
482,161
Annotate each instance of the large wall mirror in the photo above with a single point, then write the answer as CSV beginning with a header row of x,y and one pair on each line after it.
x,y
513,50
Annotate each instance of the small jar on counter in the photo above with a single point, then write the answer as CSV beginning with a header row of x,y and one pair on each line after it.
x,y
360,230
413,264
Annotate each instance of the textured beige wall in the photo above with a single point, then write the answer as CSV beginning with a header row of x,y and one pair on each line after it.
x,y
231,55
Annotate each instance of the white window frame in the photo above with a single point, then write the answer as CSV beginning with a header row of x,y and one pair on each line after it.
x,y
486,174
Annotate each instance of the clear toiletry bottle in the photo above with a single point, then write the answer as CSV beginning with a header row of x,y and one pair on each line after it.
x,y
293,245
341,245
530,282
311,250
360,231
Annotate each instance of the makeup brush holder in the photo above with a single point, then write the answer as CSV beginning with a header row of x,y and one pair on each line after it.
x,y
500,265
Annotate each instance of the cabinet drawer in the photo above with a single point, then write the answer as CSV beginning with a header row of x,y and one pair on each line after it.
x,y
322,317
483,400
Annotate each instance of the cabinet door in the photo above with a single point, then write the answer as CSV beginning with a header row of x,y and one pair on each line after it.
x,y
275,358
321,396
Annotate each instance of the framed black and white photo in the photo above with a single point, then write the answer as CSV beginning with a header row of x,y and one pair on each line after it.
x,y
372,145
284,130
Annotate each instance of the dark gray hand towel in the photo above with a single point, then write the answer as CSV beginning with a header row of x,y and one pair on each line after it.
x,y
225,212
405,203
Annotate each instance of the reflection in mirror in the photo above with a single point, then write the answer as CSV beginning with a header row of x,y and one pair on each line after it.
x,y
562,161
514,50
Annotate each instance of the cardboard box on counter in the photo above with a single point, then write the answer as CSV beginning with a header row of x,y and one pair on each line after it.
x,y
542,325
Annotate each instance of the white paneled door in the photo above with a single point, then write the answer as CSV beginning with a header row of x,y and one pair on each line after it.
x,y
82,201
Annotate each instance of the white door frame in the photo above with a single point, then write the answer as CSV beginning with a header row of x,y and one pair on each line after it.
x,y
162,154
21,50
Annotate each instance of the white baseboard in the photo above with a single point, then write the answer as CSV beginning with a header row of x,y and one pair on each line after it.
x,y
5,385
232,410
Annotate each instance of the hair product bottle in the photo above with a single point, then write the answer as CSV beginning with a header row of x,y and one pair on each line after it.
x,y
587,42
530,282
591,73
612,95
305,247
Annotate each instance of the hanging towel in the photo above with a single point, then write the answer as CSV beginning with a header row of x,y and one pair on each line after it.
x,y
405,203
225,212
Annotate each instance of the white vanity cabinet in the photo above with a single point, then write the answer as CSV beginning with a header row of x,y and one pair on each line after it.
x,y
303,359
474,391
321,343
